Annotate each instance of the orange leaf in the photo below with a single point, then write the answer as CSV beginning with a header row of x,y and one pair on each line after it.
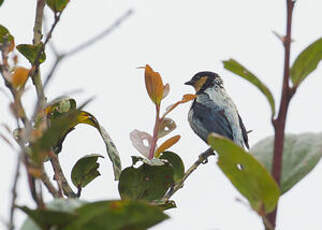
x,y
185,98
153,84
167,144
19,77
188,97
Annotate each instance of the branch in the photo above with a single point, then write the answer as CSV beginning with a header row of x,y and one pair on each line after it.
x,y
51,189
101,35
280,121
203,158
36,80
86,44
14,194
60,177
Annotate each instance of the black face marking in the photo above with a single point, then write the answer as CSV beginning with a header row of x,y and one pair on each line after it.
x,y
212,79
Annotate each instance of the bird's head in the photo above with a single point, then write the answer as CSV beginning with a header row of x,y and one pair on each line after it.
x,y
204,80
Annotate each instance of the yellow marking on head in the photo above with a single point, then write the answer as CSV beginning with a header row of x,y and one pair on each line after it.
x,y
198,85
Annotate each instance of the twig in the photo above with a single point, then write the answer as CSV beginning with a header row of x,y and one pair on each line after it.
x,y
103,34
86,44
59,58
14,193
36,80
203,158
51,189
60,177
280,121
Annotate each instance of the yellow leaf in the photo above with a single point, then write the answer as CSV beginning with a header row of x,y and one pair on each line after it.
x,y
19,77
153,84
167,144
87,118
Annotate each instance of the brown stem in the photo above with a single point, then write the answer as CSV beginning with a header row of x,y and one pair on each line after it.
x,y
60,177
280,121
50,187
155,132
203,157
14,194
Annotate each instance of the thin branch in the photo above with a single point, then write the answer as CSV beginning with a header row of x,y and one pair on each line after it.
x,y
100,36
36,80
60,177
14,194
59,58
280,122
203,158
86,44
38,21
50,187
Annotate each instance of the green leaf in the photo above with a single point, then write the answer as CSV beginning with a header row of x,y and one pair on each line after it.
x,y
1,1
5,35
62,113
85,170
235,67
146,182
48,218
74,214
306,62
176,163
57,5
54,135
32,52
111,150
248,176
116,215
59,213
301,154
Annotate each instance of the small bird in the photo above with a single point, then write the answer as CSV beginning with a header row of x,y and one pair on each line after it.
x,y
214,111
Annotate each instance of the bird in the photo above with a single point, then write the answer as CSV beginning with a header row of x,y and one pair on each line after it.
x,y
213,111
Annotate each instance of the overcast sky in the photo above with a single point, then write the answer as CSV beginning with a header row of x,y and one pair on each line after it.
x,y
178,39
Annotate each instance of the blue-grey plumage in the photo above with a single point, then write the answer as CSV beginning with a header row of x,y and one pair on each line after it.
x,y
214,111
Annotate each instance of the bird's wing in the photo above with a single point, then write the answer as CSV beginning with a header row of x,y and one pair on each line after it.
x,y
208,118
244,131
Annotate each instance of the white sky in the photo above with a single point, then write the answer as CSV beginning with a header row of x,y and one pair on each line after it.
x,y
178,39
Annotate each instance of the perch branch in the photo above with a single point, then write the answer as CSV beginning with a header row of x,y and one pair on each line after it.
x,y
203,158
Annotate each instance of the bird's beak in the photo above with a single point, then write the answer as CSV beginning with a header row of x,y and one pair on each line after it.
x,y
189,83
